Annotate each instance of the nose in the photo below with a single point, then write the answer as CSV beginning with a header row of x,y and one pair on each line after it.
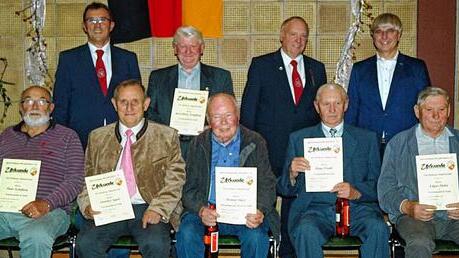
x,y
332,108
435,114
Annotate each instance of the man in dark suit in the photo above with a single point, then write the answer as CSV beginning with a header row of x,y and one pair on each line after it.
x,y
383,88
312,214
85,82
189,73
82,94
278,98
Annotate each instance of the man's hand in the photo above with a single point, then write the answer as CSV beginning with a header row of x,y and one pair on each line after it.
x,y
208,216
418,211
36,209
299,164
254,220
89,212
454,212
150,217
346,190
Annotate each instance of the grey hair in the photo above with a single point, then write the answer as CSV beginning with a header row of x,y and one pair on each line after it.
x,y
187,32
331,86
431,91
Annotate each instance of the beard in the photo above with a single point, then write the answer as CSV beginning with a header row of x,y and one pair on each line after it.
x,y
36,118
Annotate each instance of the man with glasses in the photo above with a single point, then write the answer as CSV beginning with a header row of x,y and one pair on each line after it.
x,y
149,155
87,75
189,73
37,137
226,144
383,88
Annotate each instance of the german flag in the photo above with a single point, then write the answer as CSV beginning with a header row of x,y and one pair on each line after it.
x,y
139,19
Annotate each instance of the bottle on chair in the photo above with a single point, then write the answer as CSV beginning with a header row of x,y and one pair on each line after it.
x,y
342,217
211,239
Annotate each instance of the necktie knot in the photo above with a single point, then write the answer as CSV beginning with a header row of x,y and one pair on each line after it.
x,y
99,53
129,133
333,132
294,63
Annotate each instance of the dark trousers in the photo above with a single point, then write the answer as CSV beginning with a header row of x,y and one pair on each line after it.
x,y
153,241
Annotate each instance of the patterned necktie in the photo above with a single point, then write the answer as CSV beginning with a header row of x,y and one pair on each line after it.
x,y
101,72
296,82
126,164
333,132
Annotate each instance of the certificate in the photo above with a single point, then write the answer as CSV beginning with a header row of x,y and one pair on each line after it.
x,y
437,179
325,156
235,193
18,183
109,195
189,111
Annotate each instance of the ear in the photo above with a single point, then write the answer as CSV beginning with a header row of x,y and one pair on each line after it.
x,y
51,108
316,106
83,25
112,25
114,104
146,103
416,111
346,104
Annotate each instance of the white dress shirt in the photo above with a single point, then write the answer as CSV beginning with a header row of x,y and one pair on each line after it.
x,y
289,70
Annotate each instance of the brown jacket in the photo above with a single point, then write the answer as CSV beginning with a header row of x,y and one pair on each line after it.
x,y
158,165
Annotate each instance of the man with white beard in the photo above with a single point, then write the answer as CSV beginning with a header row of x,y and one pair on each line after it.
x,y
37,137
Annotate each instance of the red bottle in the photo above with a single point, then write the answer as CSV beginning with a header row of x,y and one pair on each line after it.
x,y
211,239
342,217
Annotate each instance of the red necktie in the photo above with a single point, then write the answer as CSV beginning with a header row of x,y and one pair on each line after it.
x,y
126,164
296,81
101,73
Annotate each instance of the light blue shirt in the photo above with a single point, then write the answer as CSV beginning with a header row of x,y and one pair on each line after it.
x,y
223,156
428,145
191,81
339,130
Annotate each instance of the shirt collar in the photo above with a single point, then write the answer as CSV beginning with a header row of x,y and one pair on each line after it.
x,y
287,59
196,68
382,59
105,48
135,129
420,133
235,138
339,129
17,128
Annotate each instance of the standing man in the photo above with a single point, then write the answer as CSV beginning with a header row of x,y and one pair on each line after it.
x,y
60,180
189,73
149,155
419,224
312,215
226,144
278,99
87,75
383,88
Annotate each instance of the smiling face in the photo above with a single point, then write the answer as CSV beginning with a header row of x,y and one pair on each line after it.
x,y
331,103
223,117
385,39
36,106
188,51
130,104
433,114
98,32
294,37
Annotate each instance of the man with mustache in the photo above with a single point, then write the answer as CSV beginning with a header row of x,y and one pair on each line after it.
x,y
41,221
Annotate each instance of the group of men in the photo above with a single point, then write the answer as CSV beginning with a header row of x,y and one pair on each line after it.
x,y
117,124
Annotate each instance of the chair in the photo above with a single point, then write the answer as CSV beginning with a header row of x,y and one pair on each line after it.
x,y
346,243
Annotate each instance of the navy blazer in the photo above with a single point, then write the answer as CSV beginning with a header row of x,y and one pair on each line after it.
x,y
361,168
365,107
267,103
79,101
163,82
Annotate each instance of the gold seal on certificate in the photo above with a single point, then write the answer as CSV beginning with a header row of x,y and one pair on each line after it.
x,y
325,156
18,183
235,193
189,111
109,195
437,179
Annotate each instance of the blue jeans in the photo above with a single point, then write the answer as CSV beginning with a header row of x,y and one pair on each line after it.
x,y
254,242
153,241
36,236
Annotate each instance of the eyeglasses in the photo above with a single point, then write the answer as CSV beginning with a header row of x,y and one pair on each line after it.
x,y
97,20
31,102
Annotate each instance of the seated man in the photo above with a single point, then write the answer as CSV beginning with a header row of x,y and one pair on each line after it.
x,y
419,224
58,148
156,168
312,215
226,144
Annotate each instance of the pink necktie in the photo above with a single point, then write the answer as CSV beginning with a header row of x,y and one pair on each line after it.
x,y
296,82
101,72
126,164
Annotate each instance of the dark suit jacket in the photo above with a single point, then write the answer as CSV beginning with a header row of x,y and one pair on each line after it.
x,y
163,82
365,107
79,101
361,168
268,107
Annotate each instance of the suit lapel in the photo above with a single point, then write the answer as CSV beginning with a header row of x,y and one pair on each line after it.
x,y
349,147
115,70
89,70
205,82
372,79
280,73
397,79
172,84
